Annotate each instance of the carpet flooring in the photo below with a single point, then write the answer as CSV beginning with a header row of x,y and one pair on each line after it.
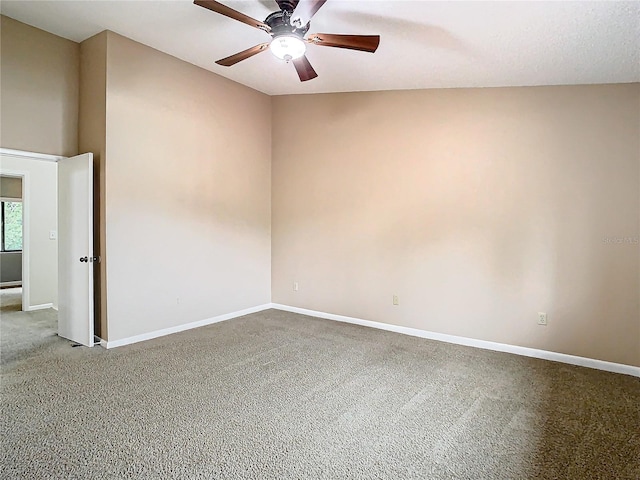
x,y
276,395
22,333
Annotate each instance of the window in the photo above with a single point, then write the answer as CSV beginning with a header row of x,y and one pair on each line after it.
x,y
11,226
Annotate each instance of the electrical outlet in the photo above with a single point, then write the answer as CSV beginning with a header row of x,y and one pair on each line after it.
x,y
395,300
295,286
542,318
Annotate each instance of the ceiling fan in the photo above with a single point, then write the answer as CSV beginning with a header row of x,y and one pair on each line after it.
x,y
288,28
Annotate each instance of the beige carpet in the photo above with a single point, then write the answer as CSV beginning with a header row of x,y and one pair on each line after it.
x,y
10,299
22,333
276,395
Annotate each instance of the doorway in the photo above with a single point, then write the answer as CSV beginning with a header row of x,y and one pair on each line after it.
x,y
10,246
57,204
39,276
11,242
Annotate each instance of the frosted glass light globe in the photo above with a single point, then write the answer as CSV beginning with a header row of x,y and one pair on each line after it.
x,y
287,47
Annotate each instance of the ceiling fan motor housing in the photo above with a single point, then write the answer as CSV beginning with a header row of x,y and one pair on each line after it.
x,y
280,25
287,5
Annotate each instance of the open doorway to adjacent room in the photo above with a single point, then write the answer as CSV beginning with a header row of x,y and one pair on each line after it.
x,y
11,244
28,253
47,225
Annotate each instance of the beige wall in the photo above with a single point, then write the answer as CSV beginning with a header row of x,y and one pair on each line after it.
x,y
40,189
38,90
187,192
92,138
478,208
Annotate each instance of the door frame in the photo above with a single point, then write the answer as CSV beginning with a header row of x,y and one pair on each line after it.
x,y
26,191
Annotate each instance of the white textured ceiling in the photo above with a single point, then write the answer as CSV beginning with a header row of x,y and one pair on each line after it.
x,y
424,44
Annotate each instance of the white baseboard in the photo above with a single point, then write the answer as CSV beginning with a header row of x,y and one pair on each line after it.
x,y
42,306
180,328
470,342
11,284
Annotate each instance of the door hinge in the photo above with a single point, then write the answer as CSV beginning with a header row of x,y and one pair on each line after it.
x,y
95,259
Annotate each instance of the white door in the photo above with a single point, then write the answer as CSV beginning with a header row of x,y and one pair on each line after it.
x,y
75,249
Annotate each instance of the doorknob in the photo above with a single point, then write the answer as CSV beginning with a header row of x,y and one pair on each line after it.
x,y
84,259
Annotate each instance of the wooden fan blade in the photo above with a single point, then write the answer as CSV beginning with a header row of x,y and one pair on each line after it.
x,y
363,43
231,13
304,11
304,69
238,57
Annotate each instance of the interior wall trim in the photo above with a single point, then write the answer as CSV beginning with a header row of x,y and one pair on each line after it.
x,y
33,155
414,332
180,328
471,342
42,306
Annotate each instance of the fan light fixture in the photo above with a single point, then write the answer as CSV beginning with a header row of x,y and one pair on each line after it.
x,y
287,47
287,28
